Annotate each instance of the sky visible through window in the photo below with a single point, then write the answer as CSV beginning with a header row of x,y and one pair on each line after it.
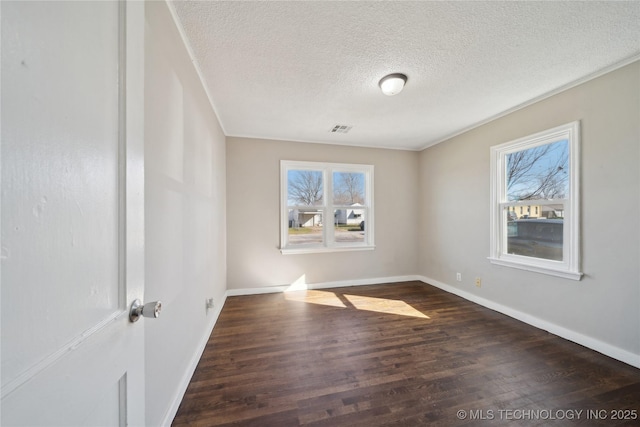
x,y
305,188
348,188
539,173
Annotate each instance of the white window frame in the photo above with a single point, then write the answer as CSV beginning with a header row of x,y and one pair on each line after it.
x,y
569,267
329,244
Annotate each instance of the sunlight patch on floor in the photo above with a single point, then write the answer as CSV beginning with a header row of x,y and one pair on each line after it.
x,y
315,297
383,305
379,305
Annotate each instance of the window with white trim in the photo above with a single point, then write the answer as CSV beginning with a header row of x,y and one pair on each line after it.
x,y
325,207
535,202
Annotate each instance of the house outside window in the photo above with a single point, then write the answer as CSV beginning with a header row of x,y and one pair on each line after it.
x,y
539,171
326,207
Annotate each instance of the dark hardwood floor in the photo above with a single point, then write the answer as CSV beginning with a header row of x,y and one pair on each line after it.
x,y
404,354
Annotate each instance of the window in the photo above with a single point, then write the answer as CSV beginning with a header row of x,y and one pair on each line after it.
x,y
325,207
540,171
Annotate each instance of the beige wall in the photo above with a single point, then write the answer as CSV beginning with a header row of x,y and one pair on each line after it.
x,y
253,212
603,307
184,214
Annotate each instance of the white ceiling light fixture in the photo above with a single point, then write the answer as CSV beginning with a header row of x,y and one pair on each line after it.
x,y
392,84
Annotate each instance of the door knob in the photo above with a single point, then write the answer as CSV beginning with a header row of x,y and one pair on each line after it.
x,y
150,309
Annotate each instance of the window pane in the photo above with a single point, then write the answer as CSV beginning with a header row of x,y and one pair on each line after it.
x,y
304,187
349,225
539,173
305,226
537,237
348,188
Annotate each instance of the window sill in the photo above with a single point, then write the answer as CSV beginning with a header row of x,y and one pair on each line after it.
x,y
323,249
565,274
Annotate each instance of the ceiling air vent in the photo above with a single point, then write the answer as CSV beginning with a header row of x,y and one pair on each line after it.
x,y
340,129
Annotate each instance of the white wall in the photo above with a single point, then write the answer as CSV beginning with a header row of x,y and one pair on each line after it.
x,y
602,310
184,214
253,212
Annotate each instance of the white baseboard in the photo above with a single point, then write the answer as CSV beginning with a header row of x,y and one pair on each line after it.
x,y
322,285
587,341
256,291
191,367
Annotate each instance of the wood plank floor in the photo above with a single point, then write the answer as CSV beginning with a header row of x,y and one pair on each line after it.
x,y
404,354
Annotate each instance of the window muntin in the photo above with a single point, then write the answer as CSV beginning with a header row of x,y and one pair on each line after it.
x,y
313,221
534,209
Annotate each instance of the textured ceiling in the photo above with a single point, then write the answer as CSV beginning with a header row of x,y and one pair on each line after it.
x,y
293,70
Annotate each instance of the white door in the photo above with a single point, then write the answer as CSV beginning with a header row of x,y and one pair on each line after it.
x,y
72,213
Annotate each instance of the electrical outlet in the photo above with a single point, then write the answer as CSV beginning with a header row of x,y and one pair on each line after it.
x,y
459,277
478,282
209,303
